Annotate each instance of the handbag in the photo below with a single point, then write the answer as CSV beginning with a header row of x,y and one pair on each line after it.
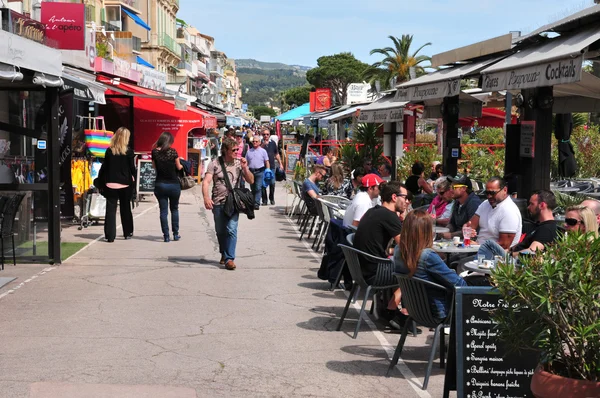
x,y
239,199
97,138
187,182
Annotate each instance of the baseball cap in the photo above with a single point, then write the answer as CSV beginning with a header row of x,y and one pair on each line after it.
x,y
464,180
371,180
239,133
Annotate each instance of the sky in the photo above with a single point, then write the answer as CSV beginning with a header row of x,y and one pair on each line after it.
x,y
300,31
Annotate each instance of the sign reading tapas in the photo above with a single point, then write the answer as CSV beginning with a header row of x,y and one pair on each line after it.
x,y
65,24
546,74
424,92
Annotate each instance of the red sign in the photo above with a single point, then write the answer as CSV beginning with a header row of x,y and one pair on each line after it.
x,y
322,99
65,24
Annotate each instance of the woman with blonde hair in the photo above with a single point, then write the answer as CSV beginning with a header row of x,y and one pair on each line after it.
x,y
336,183
415,257
117,172
581,219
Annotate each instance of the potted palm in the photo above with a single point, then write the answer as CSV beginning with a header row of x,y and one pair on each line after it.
x,y
553,306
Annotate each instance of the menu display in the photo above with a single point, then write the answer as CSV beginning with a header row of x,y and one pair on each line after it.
x,y
146,176
485,367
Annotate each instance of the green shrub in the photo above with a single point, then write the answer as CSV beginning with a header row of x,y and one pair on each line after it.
x,y
426,154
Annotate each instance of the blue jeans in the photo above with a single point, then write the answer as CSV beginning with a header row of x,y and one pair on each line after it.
x,y
490,248
257,187
226,229
168,198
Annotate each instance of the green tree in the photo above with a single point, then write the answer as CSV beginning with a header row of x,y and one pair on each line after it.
x,y
261,110
337,72
397,63
296,95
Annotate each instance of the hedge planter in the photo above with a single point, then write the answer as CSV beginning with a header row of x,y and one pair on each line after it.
x,y
548,385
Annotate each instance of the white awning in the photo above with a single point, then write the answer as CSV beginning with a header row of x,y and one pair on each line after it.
x,y
468,106
84,85
440,84
557,61
342,114
384,110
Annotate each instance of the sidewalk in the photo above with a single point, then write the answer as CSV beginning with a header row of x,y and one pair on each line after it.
x,y
144,318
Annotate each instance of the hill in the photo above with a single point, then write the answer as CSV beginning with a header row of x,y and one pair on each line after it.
x,y
263,81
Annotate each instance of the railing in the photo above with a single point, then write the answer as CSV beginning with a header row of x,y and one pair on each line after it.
x,y
169,43
184,66
110,27
135,4
137,43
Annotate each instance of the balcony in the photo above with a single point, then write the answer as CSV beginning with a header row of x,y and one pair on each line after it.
x,y
111,27
133,5
137,43
90,13
183,65
166,41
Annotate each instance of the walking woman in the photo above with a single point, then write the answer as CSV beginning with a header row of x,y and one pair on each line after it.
x,y
167,189
118,171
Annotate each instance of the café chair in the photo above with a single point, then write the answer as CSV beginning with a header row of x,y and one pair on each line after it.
x,y
415,300
338,278
9,213
386,266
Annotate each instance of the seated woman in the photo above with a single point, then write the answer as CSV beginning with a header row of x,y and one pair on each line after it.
x,y
336,184
416,183
442,204
581,219
414,256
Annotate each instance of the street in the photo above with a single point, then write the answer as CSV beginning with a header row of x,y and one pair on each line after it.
x,y
144,318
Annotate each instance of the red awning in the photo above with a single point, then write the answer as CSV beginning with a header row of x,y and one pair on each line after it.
x,y
154,114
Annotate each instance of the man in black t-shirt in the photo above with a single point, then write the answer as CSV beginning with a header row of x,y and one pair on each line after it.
x,y
540,208
379,225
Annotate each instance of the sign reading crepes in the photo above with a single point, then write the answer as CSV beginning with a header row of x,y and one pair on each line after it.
x,y
541,75
65,24
437,90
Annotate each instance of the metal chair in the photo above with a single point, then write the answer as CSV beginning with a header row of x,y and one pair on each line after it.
x,y
297,199
341,201
9,213
350,239
416,300
385,266
325,215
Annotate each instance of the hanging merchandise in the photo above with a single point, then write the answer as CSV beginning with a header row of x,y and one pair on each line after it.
x,y
97,138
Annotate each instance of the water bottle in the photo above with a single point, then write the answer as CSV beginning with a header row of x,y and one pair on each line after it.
x,y
433,216
466,235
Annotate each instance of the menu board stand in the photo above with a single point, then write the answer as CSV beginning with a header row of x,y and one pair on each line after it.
x,y
195,159
484,365
146,177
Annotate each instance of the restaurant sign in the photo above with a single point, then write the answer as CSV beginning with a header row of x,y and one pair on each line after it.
x,y
562,71
65,24
441,89
20,25
17,51
381,116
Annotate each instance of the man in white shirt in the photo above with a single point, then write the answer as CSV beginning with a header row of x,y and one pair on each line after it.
x,y
498,218
363,200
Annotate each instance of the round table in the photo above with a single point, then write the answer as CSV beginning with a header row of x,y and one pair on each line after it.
x,y
441,230
453,249
474,266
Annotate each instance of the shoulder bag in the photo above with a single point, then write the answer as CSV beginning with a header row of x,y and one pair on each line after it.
x,y
238,199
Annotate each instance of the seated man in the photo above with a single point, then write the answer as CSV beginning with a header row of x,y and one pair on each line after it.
x,y
594,206
385,171
376,229
442,204
310,187
363,200
466,204
540,207
498,218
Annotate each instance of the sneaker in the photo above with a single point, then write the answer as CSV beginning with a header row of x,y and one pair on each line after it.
x,y
272,203
230,265
176,237
264,203
167,239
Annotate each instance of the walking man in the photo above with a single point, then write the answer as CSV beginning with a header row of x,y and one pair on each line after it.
x,y
225,227
273,152
258,160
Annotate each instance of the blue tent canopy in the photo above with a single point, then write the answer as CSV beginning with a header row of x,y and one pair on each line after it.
x,y
137,19
295,113
142,61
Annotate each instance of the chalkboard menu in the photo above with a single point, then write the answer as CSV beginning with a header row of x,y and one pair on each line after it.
x,y
194,159
292,158
485,367
146,176
294,147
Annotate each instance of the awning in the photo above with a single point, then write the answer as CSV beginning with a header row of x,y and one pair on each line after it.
x,y
570,23
344,113
384,110
136,19
84,86
292,114
468,106
143,62
233,121
440,84
557,61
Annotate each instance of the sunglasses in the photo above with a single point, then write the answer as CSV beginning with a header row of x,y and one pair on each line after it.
x,y
458,186
491,193
572,221
442,192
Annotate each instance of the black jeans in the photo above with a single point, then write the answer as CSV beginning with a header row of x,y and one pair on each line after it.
x,y
168,199
123,196
271,191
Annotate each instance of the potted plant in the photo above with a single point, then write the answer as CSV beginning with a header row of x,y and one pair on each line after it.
x,y
553,306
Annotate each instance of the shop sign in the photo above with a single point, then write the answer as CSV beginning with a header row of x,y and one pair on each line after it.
x,y
424,92
563,71
151,78
118,67
322,99
65,24
357,92
382,116
24,53
20,25
210,122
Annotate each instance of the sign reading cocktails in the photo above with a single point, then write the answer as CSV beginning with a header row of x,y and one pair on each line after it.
x,y
65,24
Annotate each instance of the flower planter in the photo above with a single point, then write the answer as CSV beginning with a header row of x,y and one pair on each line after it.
x,y
548,385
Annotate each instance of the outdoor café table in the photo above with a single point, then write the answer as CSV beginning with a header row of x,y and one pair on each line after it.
x,y
474,266
441,230
450,249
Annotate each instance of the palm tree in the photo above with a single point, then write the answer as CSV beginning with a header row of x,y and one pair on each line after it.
x,y
397,62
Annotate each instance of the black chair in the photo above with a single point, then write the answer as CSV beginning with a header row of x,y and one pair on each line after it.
x,y
385,266
9,213
415,300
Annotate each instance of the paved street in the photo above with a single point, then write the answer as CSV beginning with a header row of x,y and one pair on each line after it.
x,y
143,318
